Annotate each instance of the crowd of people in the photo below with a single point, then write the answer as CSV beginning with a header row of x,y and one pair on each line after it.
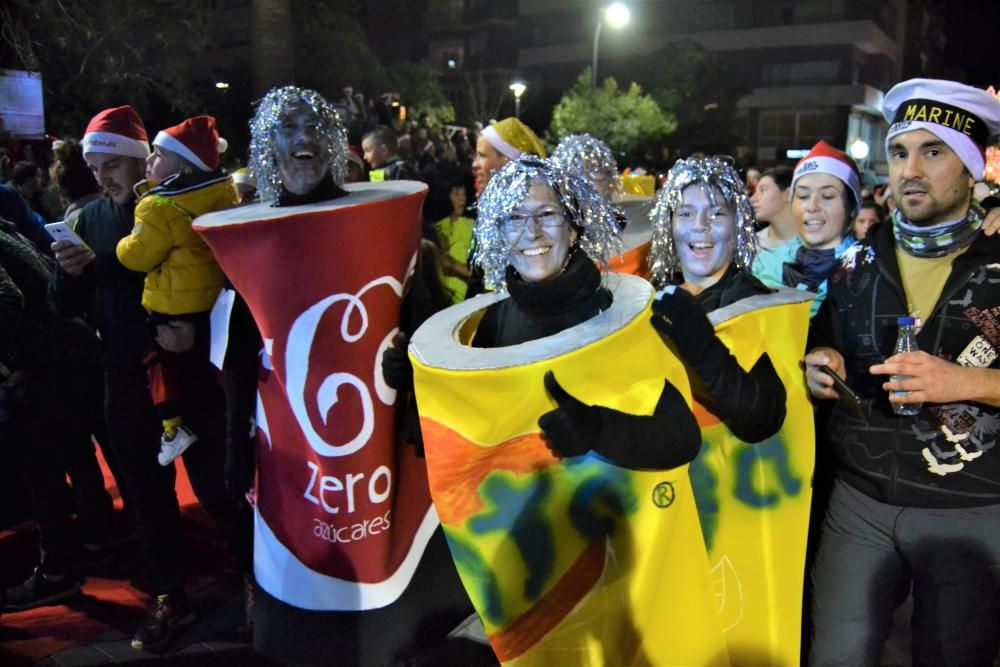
x,y
161,328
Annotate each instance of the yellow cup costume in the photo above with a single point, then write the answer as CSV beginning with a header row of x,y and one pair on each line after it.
x,y
567,561
754,499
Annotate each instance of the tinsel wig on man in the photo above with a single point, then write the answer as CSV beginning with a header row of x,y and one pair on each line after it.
x,y
272,110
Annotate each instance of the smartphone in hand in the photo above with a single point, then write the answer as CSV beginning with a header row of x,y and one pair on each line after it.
x,y
846,394
60,231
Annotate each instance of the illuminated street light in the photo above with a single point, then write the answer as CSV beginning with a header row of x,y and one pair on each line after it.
x,y
859,149
617,15
222,85
518,89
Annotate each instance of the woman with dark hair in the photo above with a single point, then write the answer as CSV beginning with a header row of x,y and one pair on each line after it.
x,y
826,189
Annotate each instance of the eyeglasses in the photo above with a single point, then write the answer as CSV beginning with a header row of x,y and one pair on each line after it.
x,y
547,218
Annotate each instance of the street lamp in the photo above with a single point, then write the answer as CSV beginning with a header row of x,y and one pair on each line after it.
x,y
859,149
617,15
518,89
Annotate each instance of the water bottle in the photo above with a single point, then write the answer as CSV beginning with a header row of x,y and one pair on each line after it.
x,y
906,341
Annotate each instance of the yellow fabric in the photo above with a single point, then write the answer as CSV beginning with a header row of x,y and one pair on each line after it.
x,y
754,499
376,175
924,279
520,136
456,239
181,273
639,185
517,518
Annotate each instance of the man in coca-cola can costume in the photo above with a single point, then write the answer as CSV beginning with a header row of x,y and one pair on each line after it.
x,y
349,556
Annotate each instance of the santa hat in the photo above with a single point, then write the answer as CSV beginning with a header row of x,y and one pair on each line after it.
x,y
196,140
118,131
825,159
961,116
513,138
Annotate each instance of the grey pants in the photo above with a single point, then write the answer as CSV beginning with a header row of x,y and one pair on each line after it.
x,y
870,554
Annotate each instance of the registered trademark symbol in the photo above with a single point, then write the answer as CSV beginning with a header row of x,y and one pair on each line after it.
x,y
663,495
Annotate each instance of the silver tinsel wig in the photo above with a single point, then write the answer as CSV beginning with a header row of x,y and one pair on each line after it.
x,y
270,111
589,157
719,176
586,210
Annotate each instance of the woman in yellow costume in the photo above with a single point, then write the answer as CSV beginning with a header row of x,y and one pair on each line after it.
x,y
538,233
703,228
568,511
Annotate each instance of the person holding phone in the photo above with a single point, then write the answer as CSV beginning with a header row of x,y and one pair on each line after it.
x,y
915,497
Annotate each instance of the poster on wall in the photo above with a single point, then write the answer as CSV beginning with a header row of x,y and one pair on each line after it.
x,y
22,111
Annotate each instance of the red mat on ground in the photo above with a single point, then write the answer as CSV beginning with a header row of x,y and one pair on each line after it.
x,y
108,602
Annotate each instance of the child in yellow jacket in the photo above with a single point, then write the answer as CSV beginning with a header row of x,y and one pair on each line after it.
x,y
182,277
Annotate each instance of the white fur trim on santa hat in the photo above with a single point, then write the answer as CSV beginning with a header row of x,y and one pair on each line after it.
x,y
116,144
824,164
500,143
967,150
171,143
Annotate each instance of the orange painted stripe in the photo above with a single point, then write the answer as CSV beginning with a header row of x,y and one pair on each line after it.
x,y
461,465
531,627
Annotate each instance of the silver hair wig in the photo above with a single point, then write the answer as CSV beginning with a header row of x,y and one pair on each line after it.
x,y
270,111
585,209
720,177
584,155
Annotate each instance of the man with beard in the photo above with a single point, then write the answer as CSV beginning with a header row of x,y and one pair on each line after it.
x,y
115,146
916,497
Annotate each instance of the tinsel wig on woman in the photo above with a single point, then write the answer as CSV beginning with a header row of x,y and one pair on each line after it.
x,y
720,177
589,157
263,126
586,210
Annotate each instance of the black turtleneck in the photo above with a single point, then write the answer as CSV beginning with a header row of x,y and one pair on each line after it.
x,y
732,286
544,308
325,191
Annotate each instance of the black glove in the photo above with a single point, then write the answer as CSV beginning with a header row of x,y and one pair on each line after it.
x,y
571,429
681,317
397,371
668,438
752,405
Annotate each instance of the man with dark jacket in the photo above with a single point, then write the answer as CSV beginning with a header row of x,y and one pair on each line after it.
x,y
115,146
916,499
380,146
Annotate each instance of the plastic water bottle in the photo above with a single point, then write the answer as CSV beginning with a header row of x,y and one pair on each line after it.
x,y
906,341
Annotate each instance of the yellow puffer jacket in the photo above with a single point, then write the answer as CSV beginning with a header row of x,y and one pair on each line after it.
x,y
181,273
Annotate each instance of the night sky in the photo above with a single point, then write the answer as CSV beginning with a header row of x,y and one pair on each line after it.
x,y
973,42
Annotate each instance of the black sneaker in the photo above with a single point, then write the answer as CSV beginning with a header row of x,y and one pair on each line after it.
x,y
40,590
168,613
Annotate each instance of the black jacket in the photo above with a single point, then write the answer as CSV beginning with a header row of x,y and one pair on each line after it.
x,y
106,285
887,459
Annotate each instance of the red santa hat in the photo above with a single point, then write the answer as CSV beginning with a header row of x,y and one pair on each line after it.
x,y
825,159
196,140
118,131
